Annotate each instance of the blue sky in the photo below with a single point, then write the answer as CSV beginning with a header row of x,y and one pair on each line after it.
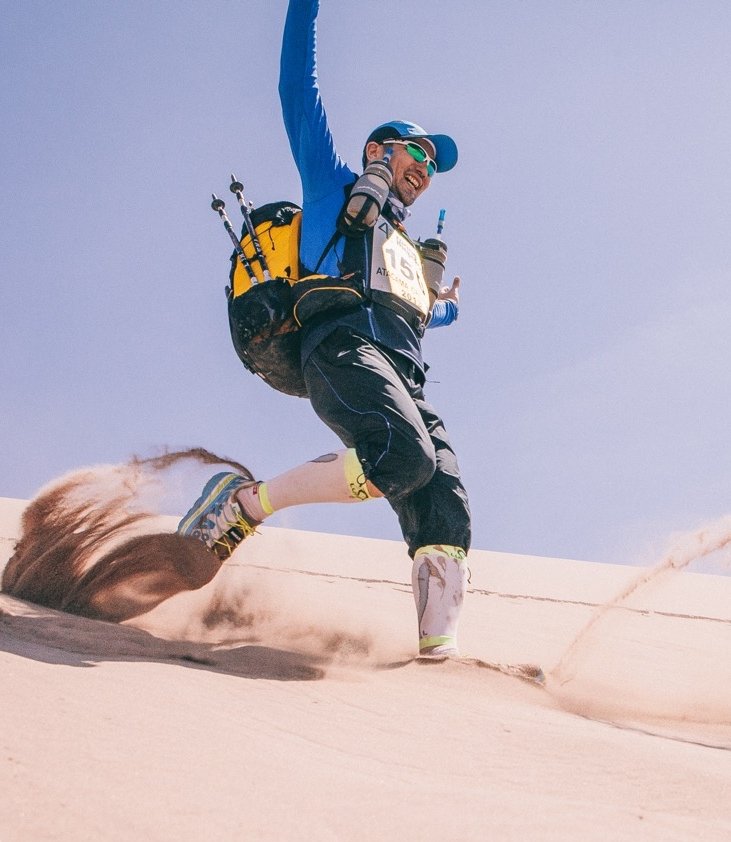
x,y
586,385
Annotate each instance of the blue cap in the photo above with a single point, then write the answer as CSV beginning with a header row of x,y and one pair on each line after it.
x,y
445,149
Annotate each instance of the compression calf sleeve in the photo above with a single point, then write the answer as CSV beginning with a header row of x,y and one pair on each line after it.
x,y
332,478
439,580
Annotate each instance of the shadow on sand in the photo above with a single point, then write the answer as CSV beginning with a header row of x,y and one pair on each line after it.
x,y
54,637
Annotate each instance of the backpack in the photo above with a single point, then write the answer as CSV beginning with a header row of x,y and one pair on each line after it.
x,y
265,317
263,330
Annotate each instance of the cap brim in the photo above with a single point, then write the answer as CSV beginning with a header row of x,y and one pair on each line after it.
x,y
445,150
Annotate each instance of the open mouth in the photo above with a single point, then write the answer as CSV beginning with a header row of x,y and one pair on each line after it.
x,y
413,181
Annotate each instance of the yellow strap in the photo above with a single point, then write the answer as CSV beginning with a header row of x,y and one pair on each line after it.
x,y
428,642
457,553
264,500
354,476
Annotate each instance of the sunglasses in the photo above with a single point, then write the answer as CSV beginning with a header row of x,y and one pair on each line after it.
x,y
417,153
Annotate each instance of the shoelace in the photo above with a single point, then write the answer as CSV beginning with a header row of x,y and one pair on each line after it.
x,y
228,542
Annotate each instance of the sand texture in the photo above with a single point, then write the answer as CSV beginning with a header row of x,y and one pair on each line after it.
x,y
281,701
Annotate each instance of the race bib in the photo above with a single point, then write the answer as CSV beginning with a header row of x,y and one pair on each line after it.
x,y
396,268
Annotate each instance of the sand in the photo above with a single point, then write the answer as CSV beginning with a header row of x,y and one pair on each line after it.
x,y
281,702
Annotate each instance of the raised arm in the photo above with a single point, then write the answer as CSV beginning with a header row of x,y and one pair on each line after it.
x,y
310,140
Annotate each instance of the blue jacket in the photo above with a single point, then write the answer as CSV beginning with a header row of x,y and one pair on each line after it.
x,y
325,177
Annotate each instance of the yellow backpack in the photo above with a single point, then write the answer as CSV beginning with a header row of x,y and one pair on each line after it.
x,y
265,314
277,226
264,333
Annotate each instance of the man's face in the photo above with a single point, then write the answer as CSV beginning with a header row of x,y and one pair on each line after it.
x,y
410,178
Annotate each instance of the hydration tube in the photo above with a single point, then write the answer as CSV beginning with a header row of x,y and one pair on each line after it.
x,y
440,224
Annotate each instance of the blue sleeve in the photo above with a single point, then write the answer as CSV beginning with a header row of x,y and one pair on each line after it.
x,y
443,313
322,172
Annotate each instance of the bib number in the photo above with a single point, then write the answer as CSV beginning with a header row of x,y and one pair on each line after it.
x,y
396,268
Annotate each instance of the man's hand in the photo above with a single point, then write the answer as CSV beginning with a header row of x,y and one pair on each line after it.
x,y
451,293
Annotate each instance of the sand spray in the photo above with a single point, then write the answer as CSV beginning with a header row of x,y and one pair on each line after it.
x,y
619,666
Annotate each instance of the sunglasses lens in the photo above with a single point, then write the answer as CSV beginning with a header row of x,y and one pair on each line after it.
x,y
419,155
416,152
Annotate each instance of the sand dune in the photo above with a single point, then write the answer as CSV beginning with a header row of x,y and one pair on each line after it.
x,y
282,701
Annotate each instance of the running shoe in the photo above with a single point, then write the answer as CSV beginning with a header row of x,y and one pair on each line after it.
x,y
216,518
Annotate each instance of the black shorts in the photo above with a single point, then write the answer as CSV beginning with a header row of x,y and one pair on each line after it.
x,y
373,400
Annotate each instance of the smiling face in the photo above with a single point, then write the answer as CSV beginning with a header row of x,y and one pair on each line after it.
x,y
410,178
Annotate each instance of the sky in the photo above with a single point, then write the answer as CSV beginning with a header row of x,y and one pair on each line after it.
x,y
586,386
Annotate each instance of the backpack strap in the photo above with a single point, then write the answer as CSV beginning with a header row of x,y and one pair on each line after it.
x,y
330,244
337,235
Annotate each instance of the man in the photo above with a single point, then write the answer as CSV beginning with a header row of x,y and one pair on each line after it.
x,y
362,365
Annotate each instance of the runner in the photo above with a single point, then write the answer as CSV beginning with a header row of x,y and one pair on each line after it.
x,y
362,364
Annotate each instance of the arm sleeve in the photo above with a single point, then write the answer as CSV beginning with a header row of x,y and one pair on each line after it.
x,y
443,313
320,167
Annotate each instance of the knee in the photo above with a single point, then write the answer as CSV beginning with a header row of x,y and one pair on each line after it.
x,y
419,469
406,468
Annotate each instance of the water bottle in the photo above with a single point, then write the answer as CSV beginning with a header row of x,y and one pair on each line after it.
x,y
367,199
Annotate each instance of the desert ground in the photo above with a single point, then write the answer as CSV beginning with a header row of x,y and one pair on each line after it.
x,y
282,701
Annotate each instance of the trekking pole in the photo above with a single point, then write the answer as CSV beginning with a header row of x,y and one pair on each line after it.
x,y
237,188
218,205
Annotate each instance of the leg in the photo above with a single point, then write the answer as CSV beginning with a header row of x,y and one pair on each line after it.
x,y
438,512
435,521
232,506
332,478
381,410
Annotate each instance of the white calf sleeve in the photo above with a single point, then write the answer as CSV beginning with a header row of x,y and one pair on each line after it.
x,y
439,580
